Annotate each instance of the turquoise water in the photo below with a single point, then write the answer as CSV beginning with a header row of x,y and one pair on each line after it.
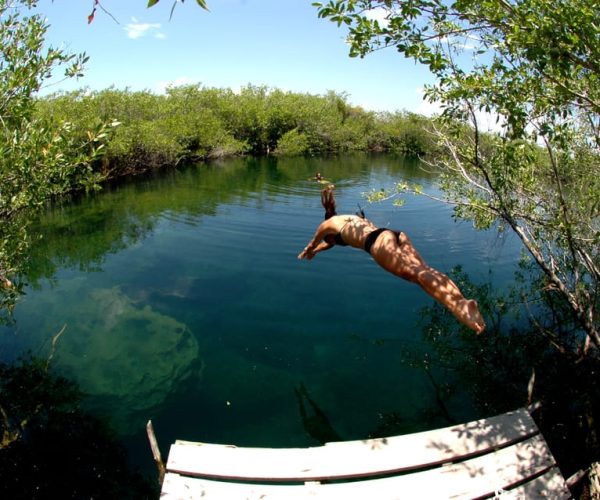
x,y
182,301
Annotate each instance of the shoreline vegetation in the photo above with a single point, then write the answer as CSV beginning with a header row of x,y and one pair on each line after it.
x,y
192,123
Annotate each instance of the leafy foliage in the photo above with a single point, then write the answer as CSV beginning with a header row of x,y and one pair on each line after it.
x,y
532,66
38,159
194,123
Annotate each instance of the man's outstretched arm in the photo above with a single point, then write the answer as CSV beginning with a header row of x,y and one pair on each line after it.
x,y
309,253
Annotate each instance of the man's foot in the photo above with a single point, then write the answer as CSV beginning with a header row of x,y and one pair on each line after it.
x,y
470,316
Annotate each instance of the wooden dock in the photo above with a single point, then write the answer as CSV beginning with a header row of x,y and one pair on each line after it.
x,y
503,456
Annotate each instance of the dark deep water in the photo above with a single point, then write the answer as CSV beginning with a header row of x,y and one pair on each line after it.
x,y
183,302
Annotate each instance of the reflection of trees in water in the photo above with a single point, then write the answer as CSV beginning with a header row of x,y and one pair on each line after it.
x,y
435,414
496,367
510,365
82,231
80,234
58,451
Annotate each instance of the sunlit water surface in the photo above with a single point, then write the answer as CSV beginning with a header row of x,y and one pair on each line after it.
x,y
183,302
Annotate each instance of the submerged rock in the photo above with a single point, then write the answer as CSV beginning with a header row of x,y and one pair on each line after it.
x,y
127,359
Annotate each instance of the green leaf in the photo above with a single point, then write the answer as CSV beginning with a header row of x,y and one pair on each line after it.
x,y
152,3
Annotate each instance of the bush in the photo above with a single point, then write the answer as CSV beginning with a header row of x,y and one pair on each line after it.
x,y
292,143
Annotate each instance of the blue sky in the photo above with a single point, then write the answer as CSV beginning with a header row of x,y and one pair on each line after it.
x,y
278,43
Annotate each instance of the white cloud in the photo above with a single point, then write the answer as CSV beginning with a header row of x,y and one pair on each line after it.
x,y
490,122
466,43
378,14
426,107
136,29
487,122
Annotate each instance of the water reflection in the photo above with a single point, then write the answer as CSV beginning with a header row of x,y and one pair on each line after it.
x,y
513,365
185,303
82,233
61,451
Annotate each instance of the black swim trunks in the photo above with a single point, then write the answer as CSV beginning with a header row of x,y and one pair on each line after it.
x,y
373,235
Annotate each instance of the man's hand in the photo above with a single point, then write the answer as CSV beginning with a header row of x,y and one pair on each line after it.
x,y
307,254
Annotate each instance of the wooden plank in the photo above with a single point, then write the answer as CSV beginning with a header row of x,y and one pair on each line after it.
x,y
549,485
484,475
176,487
351,459
475,478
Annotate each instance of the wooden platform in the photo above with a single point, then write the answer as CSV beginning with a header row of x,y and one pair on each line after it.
x,y
503,456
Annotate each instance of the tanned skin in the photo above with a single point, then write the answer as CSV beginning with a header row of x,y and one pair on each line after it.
x,y
397,255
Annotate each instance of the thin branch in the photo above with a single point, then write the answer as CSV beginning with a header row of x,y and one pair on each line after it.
x,y
451,148
550,335
55,340
107,12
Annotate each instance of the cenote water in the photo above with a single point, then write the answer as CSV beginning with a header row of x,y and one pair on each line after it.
x,y
182,301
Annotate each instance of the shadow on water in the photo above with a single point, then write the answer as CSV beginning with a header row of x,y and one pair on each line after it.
x,y
51,448
314,420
